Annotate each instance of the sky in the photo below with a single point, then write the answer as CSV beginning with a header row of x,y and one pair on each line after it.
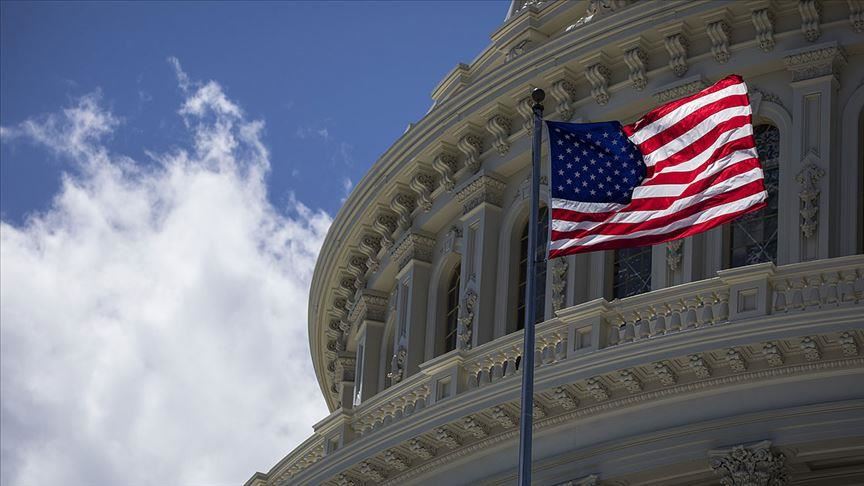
x,y
168,172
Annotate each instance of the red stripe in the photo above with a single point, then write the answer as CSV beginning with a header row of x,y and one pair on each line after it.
x,y
700,145
690,121
664,110
688,176
659,203
742,192
655,239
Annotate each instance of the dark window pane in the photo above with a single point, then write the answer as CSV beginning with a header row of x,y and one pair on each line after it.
x,y
542,241
632,272
753,237
452,316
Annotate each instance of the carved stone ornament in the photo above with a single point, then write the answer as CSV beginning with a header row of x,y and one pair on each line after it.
x,y
385,225
342,479
754,465
520,48
564,92
345,366
848,344
813,62
559,282
736,360
665,374
413,246
674,254
772,354
525,109
637,59
451,240
718,32
809,177
397,365
471,146
370,244
597,389
371,472
403,204
630,381
699,366
810,11
597,9
474,427
503,418
811,349
466,319
482,189
370,305
447,438
591,480
763,23
395,461
499,126
856,14
445,165
564,398
421,449
681,89
676,45
598,75
423,184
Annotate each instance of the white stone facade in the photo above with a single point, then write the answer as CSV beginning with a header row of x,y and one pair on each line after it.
x,y
721,374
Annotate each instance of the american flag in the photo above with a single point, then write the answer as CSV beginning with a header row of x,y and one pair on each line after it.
x,y
685,167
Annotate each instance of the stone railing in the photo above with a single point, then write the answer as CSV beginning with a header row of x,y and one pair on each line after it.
x,y
735,294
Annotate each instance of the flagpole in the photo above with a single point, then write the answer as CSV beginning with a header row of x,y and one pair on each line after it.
x,y
527,363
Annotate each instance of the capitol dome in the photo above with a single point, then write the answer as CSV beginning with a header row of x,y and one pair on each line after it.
x,y
731,357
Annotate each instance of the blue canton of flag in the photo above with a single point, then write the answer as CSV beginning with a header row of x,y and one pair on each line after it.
x,y
593,162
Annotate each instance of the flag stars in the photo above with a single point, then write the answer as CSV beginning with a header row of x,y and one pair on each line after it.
x,y
560,156
561,172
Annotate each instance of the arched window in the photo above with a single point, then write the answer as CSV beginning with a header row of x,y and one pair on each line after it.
x,y
631,272
542,236
451,317
753,237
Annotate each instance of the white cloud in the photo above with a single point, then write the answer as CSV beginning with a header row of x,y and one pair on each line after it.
x,y
153,321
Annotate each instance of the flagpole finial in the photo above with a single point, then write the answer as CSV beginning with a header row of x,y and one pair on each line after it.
x,y
538,95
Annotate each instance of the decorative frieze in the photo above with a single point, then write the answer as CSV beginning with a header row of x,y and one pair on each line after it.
x,y
848,344
598,76
809,177
630,381
564,398
718,32
403,204
772,354
822,60
423,184
763,23
413,246
675,42
679,90
856,14
597,389
474,427
482,189
445,165
558,267
447,438
736,360
664,373
395,461
502,417
811,349
343,479
471,146
699,366
421,449
385,225
538,410
810,11
754,465
499,125
636,59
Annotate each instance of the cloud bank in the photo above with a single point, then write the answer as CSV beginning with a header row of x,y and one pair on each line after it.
x,y
153,320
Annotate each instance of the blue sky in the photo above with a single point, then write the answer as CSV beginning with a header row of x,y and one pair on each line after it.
x,y
335,82
168,173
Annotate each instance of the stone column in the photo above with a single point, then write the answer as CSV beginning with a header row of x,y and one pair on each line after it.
x,y
413,254
481,222
367,316
810,173
752,465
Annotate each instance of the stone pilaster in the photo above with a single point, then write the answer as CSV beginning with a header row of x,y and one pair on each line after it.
x,y
368,315
413,252
481,222
811,170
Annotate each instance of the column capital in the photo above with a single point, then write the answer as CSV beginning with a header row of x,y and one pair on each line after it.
x,y
816,61
750,465
370,305
413,246
482,189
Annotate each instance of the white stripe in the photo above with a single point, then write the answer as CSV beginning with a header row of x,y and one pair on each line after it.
x,y
669,190
682,111
687,138
698,218
704,156
633,217
585,207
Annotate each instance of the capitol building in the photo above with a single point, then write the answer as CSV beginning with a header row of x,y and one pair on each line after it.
x,y
732,357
